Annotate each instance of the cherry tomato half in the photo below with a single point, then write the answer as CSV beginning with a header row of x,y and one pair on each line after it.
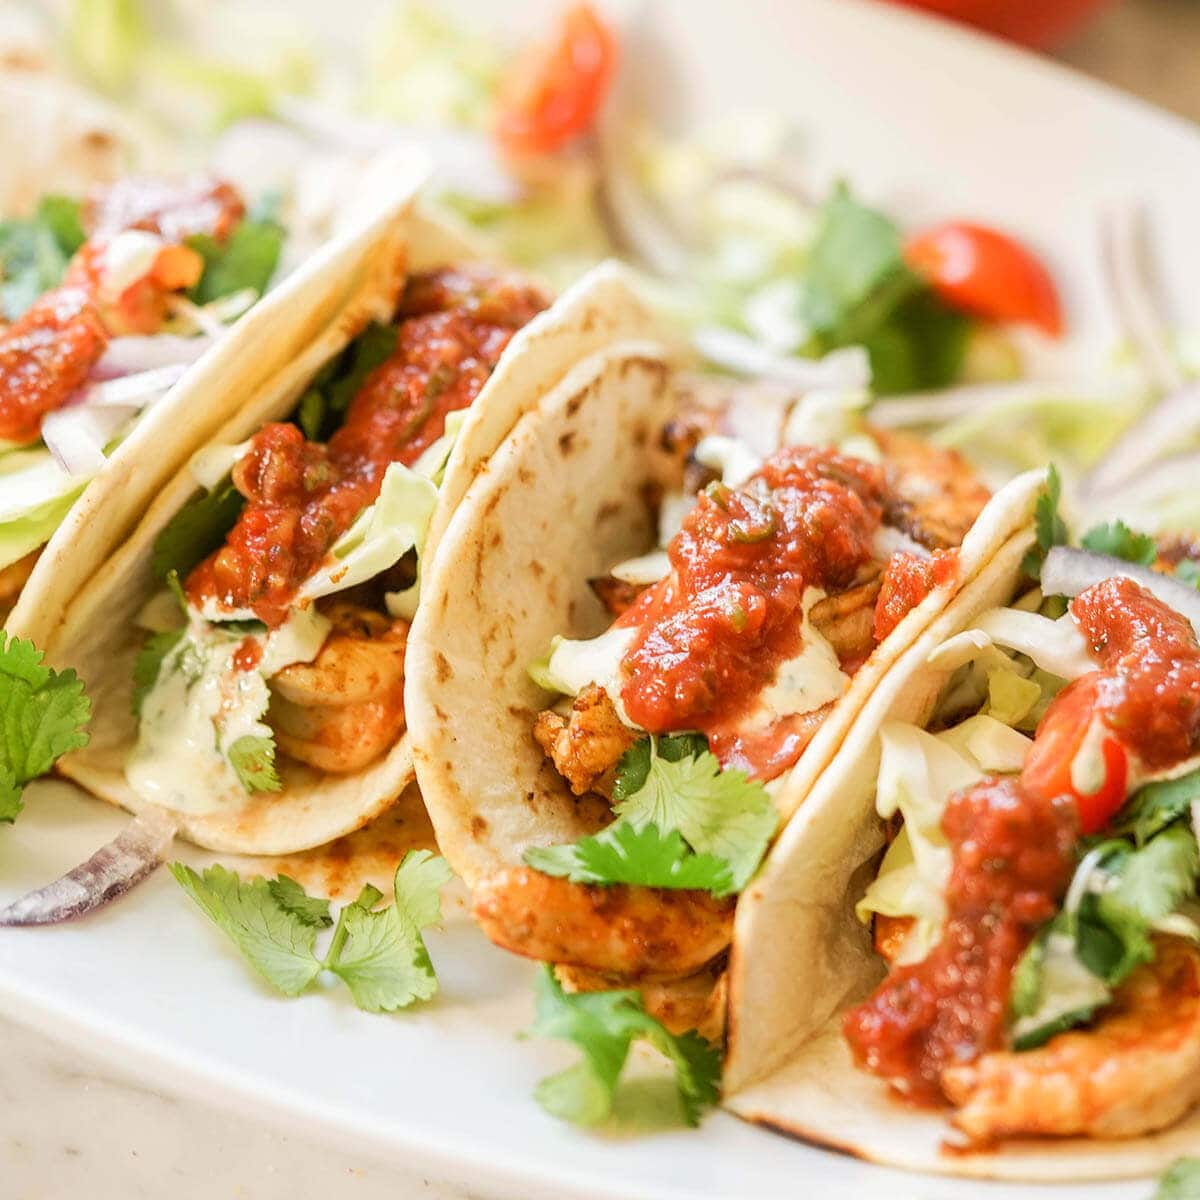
x,y
981,271
554,90
1060,736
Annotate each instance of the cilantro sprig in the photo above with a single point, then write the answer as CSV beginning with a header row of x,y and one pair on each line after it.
x,y
1050,527
379,954
34,252
1127,891
604,1026
245,259
1117,540
681,822
858,290
43,715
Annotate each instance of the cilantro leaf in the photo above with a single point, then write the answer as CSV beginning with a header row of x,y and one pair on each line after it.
x,y
856,272
623,853
604,1025
148,664
253,759
278,943
721,813
34,252
634,767
337,383
195,531
246,259
1051,528
1156,805
293,899
858,290
1180,1181
381,956
1117,540
43,715
1150,883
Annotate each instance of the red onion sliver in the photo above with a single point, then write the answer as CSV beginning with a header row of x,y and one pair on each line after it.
x,y
132,390
144,352
76,435
1068,571
116,867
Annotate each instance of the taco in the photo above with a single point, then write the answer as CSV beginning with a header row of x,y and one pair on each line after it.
x,y
117,354
245,648
1013,989
608,734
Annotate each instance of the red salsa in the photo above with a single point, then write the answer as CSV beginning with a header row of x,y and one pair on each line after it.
x,y
713,632
907,580
1013,840
48,352
301,495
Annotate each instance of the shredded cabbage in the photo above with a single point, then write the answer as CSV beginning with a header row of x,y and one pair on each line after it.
x,y
380,536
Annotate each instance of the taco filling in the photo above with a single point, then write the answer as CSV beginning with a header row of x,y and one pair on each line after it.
x,y
297,572
781,568
108,300
1037,902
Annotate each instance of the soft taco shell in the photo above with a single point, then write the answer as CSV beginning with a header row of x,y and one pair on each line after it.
x,y
561,501
99,638
300,311
800,957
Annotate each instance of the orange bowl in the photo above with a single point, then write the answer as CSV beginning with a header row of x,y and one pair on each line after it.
x,y
1039,23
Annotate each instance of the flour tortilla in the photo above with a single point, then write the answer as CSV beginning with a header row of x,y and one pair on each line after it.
x,y
560,502
801,956
98,635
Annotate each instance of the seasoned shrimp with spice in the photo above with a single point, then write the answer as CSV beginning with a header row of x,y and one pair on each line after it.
x,y
1134,1070
627,932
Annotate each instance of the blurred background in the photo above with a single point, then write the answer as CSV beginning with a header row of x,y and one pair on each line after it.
x,y
1149,47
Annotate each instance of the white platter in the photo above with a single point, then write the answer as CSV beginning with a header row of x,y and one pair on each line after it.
x,y
259,1097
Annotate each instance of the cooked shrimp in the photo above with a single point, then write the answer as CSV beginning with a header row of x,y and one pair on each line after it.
x,y
1137,1069
632,933
847,620
935,496
695,1002
13,578
586,745
346,707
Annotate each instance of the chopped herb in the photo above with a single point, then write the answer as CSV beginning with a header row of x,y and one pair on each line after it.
x,y
34,252
253,760
43,713
1117,540
195,531
1051,528
379,954
246,259
604,1025
148,665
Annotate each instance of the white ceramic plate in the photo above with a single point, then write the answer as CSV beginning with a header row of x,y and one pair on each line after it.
x,y
925,119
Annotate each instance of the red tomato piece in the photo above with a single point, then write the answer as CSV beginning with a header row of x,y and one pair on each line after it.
x,y
986,273
1060,736
554,90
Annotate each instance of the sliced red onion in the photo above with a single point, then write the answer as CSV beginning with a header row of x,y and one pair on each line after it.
x,y
1067,572
1123,255
846,368
77,435
115,868
137,391
145,352
1171,421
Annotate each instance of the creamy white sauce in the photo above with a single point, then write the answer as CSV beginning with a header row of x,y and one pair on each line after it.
x,y
128,257
202,704
802,684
